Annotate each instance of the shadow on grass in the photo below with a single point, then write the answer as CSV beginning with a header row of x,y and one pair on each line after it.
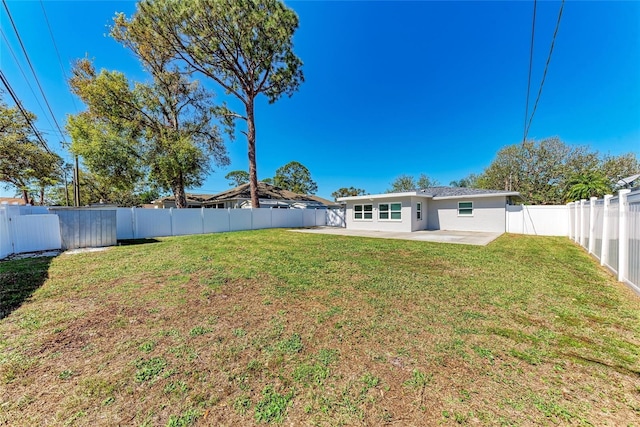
x,y
129,242
19,279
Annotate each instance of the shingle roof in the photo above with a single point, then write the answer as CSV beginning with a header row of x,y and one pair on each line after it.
x,y
436,193
460,192
268,191
265,191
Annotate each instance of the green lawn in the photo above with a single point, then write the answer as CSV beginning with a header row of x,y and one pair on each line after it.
x,y
278,327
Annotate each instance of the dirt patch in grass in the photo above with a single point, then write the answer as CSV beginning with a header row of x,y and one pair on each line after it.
x,y
227,330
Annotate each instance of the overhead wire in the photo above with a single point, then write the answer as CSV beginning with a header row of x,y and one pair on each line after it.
x,y
24,75
546,68
55,46
526,108
24,51
64,143
13,95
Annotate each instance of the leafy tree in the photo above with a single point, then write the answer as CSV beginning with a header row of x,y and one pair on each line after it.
x,y
587,185
540,170
406,182
237,178
469,181
97,188
24,163
245,46
268,180
425,182
402,183
347,192
295,177
615,168
161,131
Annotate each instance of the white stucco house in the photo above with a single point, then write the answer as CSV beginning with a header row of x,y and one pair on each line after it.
x,y
434,208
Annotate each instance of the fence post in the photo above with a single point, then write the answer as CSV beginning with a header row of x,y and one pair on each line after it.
x,y
623,236
604,252
170,220
592,225
133,223
576,222
582,236
569,222
202,218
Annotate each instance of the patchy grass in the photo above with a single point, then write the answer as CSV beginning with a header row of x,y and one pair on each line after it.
x,y
271,327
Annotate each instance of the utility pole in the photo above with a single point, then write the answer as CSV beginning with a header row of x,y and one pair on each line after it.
x,y
76,183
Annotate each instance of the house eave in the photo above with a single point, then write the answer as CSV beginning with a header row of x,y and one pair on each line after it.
x,y
479,196
382,196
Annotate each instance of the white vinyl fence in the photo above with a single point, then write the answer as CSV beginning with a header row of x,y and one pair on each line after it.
x,y
36,228
538,220
135,223
27,229
609,229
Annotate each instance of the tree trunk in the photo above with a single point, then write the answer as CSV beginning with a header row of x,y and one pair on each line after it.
x,y
251,150
42,195
179,194
25,196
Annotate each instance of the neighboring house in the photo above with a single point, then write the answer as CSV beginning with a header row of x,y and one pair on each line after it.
x,y
269,195
193,201
12,201
632,181
434,208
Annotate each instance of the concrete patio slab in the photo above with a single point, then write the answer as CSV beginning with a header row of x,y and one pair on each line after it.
x,y
442,236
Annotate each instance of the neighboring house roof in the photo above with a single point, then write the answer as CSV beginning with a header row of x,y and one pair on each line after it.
x,y
629,182
11,200
268,191
438,193
265,192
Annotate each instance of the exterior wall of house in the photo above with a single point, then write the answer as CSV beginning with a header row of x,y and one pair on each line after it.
x,y
419,224
488,214
405,223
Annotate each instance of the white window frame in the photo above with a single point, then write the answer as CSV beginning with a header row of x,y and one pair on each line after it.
x,y
389,212
465,208
419,211
363,212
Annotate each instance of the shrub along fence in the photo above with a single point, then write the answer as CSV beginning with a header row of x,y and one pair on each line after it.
x,y
609,229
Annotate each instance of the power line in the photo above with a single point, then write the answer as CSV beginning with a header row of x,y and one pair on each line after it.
x,y
55,46
7,85
24,50
546,67
526,108
23,111
26,79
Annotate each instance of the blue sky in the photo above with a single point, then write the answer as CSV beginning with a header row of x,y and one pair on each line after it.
x,y
391,87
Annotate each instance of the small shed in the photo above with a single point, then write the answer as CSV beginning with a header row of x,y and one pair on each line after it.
x,y
86,227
